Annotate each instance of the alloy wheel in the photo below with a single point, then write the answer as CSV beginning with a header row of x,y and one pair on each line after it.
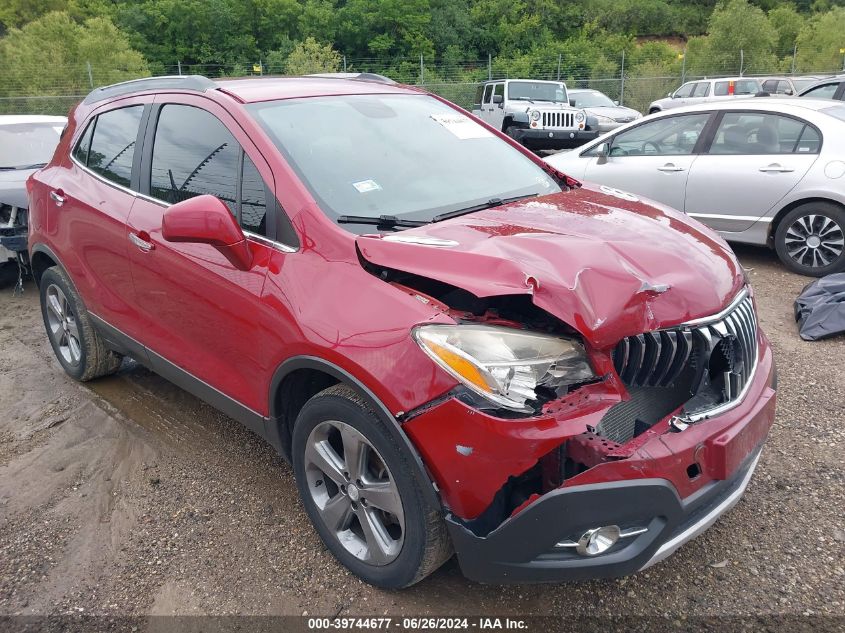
x,y
63,327
354,492
815,241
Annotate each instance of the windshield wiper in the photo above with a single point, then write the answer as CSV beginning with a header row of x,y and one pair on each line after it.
x,y
492,202
382,221
18,167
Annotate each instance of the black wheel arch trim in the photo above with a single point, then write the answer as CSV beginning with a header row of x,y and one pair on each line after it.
x,y
41,247
388,419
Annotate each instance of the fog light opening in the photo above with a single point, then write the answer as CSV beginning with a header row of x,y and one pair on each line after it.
x,y
693,471
597,540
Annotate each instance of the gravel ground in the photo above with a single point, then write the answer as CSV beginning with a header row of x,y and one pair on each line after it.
x,y
128,496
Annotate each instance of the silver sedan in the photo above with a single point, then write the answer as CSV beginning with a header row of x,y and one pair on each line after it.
x,y
763,171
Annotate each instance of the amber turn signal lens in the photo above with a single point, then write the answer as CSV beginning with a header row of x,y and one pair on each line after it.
x,y
461,366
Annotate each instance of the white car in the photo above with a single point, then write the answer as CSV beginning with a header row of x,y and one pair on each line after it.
x,y
767,171
27,142
707,90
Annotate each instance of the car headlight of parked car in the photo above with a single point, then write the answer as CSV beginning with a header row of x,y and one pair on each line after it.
x,y
503,364
580,116
604,119
535,115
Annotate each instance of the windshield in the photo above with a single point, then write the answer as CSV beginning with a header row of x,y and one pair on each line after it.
x,y
408,156
26,144
591,100
536,91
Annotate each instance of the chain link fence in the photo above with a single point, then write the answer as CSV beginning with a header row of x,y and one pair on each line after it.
x,y
634,82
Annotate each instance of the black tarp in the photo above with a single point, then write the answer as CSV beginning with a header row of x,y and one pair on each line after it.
x,y
820,308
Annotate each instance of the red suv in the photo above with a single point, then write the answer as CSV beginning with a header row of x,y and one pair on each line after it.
x,y
459,348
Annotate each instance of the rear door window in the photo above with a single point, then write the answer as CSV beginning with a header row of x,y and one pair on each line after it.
x,y
113,144
764,133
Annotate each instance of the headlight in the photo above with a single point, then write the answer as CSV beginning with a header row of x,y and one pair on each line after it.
x,y
535,115
604,119
503,364
580,116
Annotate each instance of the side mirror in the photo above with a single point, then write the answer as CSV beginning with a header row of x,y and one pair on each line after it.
x,y
789,92
616,102
207,220
572,102
498,99
671,95
602,152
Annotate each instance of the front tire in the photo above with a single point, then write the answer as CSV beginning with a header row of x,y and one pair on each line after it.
x,y
810,239
359,490
77,345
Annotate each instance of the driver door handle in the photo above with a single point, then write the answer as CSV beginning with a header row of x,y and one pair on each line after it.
x,y
670,167
776,168
140,242
58,197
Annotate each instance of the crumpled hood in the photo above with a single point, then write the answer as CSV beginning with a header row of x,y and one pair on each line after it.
x,y
607,265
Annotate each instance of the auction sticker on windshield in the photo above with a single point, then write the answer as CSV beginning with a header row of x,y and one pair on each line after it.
x,y
365,186
461,126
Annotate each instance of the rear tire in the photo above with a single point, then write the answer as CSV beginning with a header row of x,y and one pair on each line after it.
x,y
810,239
360,492
77,345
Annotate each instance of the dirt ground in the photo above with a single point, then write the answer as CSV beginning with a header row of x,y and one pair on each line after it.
x,y
129,496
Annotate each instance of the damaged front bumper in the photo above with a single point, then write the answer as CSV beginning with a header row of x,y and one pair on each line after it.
x,y
667,489
530,547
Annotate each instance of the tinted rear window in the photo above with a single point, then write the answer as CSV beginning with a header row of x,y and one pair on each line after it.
x,y
113,144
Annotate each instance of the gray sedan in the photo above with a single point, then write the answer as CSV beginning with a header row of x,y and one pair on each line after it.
x,y
766,171
609,114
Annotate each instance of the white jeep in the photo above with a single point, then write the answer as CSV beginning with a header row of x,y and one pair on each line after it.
x,y
535,113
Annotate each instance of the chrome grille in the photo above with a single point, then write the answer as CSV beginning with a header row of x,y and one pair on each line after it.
x,y
558,119
726,342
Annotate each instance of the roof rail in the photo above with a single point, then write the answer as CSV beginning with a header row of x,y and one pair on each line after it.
x,y
197,83
356,76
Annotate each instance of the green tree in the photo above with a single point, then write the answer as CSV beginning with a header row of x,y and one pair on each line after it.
x,y
820,40
312,57
739,33
49,56
787,23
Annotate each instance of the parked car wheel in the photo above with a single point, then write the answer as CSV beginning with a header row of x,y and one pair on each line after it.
x,y
810,239
77,345
361,495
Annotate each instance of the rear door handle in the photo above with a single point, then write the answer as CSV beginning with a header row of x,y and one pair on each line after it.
x,y
776,168
58,197
670,167
140,242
